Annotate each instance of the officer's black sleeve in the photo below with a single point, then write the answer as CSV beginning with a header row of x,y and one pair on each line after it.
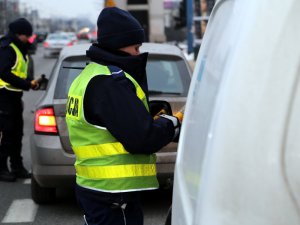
x,y
7,61
112,103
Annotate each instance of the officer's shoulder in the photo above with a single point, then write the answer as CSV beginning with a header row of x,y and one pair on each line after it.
x,y
4,43
116,71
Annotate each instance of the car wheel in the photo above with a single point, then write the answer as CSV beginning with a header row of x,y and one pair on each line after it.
x,y
41,195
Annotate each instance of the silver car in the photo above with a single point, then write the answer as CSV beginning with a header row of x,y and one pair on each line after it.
x,y
169,78
55,42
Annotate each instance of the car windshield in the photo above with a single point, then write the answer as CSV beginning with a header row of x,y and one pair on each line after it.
x,y
167,75
57,37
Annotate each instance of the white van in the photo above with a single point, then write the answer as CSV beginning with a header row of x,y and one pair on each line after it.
x,y
238,161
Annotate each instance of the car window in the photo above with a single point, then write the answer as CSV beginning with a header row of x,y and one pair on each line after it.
x,y
52,36
57,37
166,75
70,68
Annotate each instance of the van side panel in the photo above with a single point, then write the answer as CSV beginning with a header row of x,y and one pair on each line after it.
x,y
238,156
291,157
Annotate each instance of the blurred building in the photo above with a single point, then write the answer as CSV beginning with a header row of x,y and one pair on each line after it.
x,y
12,9
9,10
171,19
166,20
202,10
150,14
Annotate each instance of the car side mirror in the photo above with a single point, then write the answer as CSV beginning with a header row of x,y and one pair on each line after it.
x,y
158,107
43,82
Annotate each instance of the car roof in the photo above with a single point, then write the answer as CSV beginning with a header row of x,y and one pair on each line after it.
x,y
152,48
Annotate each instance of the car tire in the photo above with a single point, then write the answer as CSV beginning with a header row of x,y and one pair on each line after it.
x,y
41,195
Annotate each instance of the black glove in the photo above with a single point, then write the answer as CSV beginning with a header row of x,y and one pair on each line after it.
x,y
176,124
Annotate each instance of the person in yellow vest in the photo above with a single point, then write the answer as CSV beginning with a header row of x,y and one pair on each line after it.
x,y
111,131
13,80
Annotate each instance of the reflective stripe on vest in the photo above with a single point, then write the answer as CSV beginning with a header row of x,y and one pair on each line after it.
x,y
116,171
102,163
19,69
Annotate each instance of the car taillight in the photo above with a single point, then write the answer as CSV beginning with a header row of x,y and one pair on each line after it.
x,y
46,44
45,121
71,43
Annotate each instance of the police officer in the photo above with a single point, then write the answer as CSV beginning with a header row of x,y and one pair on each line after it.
x,y
13,80
112,133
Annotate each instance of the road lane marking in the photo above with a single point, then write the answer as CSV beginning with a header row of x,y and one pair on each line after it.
x,y
21,211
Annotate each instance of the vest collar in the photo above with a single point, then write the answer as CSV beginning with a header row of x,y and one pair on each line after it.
x,y
134,65
23,47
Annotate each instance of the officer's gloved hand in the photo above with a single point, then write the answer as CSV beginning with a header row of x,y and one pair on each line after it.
x,y
34,85
176,124
179,116
40,83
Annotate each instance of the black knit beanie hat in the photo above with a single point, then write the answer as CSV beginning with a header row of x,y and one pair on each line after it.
x,y
118,28
20,26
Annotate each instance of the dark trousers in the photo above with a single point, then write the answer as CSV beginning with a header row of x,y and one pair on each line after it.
x,y
11,131
102,208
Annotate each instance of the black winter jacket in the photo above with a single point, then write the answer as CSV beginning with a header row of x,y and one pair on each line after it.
x,y
111,101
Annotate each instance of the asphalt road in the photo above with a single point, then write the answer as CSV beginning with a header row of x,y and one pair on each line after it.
x,y
16,206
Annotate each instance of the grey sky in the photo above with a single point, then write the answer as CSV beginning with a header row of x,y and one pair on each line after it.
x,y
66,8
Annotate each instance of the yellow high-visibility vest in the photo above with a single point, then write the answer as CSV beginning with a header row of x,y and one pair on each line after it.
x,y
102,162
19,69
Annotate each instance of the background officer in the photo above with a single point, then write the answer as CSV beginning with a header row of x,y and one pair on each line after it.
x,y
13,80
